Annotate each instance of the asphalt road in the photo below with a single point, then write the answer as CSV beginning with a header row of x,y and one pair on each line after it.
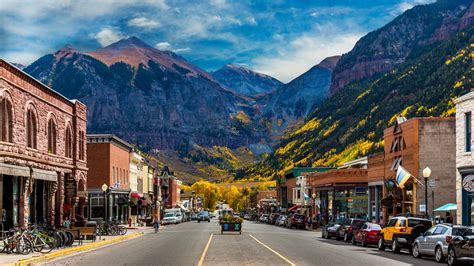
x,y
260,244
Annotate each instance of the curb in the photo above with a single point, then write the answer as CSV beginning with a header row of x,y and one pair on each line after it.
x,y
58,253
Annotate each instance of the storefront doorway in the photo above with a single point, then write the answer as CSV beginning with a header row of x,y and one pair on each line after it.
x,y
10,201
38,202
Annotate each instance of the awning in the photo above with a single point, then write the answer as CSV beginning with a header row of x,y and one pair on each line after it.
x,y
135,195
292,208
447,207
14,170
45,175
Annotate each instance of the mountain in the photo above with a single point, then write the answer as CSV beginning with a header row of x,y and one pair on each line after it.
x,y
245,81
292,102
155,99
389,46
18,65
350,123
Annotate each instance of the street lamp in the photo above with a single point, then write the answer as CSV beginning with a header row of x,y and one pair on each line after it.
x,y
104,189
426,175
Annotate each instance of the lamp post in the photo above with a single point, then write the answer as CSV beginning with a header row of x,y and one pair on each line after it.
x,y
314,202
104,189
426,175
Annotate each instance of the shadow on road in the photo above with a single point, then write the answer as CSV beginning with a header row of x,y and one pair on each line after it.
x,y
403,256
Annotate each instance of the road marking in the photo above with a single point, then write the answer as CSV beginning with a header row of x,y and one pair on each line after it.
x,y
201,261
269,248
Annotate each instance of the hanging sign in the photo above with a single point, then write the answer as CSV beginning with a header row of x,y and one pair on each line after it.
x,y
468,183
70,186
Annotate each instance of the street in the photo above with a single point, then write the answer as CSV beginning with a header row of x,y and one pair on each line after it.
x,y
260,244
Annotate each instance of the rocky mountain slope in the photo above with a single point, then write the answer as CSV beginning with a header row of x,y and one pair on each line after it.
x,y
150,97
391,45
245,81
350,123
292,102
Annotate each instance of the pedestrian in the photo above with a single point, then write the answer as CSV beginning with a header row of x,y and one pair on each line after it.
x,y
310,222
449,218
156,225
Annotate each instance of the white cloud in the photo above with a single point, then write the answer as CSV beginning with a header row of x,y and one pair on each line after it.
x,y
163,46
108,36
182,50
218,3
408,4
161,4
143,22
304,52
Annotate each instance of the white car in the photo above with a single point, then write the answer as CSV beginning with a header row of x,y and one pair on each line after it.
x,y
171,218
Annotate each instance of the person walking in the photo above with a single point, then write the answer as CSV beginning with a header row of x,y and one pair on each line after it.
x,y
156,225
449,218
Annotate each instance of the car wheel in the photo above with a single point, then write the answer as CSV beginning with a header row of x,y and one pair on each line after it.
x,y
395,247
439,256
364,244
353,241
451,257
416,251
381,244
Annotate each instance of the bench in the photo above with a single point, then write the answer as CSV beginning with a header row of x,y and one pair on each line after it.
x,y
81,233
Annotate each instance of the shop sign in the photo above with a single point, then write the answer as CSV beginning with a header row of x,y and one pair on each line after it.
x,y
70,186
422,208
468,183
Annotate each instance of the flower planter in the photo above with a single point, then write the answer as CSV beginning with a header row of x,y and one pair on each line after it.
x,y
231,227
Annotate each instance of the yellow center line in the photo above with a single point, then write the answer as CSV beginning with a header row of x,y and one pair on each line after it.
x,y
269,248
201,261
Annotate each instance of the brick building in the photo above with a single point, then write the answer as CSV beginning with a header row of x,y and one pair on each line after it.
x,y
340,193
464,160
43,173
375,185
416,144
108,160
170,188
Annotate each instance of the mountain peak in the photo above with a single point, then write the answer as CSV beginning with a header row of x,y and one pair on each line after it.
x,y
65,51
130,42
329,62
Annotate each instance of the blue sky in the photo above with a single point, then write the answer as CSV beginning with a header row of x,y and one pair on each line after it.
x,y
279,38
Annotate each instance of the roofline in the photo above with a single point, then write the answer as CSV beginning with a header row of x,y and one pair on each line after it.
x,y
113,137
465,97
39,83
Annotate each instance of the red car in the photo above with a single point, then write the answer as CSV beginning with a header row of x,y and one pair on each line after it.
x,y
368,234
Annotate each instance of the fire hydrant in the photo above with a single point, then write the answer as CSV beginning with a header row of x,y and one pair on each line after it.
x,y
129,221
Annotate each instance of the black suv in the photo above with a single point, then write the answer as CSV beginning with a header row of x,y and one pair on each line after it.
x,y
461,248
346,230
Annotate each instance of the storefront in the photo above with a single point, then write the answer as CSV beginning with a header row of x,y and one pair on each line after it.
x,y
467,195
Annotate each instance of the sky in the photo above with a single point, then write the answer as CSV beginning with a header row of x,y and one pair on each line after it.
x,y
279,38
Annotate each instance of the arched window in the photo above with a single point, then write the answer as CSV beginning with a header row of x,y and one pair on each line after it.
x,y
51,136
6,121
31,128
81,145
68,142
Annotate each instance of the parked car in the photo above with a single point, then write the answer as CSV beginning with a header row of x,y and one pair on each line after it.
x,y
194,217
330,230
461,249
435,241
345,231
264,218
368,234
273,218
297,221
401,232
287,221
171,218
281,220
204,216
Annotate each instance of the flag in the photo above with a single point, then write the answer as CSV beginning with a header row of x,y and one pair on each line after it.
x,y
402,176
306,197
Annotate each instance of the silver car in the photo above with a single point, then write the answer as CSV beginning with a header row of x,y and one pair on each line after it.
x,y
435,241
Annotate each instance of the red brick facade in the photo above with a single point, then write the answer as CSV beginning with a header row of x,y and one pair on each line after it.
x,y
38,113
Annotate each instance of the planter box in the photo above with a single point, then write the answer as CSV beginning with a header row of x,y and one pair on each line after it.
x,y
231,227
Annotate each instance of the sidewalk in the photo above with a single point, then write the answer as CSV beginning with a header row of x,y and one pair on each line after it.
x,y
16,259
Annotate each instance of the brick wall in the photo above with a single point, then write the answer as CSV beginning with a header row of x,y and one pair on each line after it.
x,y
98,161
438,152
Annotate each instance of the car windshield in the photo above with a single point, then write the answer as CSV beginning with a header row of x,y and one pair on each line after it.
x,y
170,215
375,227
204,213
298,216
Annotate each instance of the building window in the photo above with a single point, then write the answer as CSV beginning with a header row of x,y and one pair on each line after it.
x,y
68,142
113,174
468,131
81,145
6,121
31,128
51,136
